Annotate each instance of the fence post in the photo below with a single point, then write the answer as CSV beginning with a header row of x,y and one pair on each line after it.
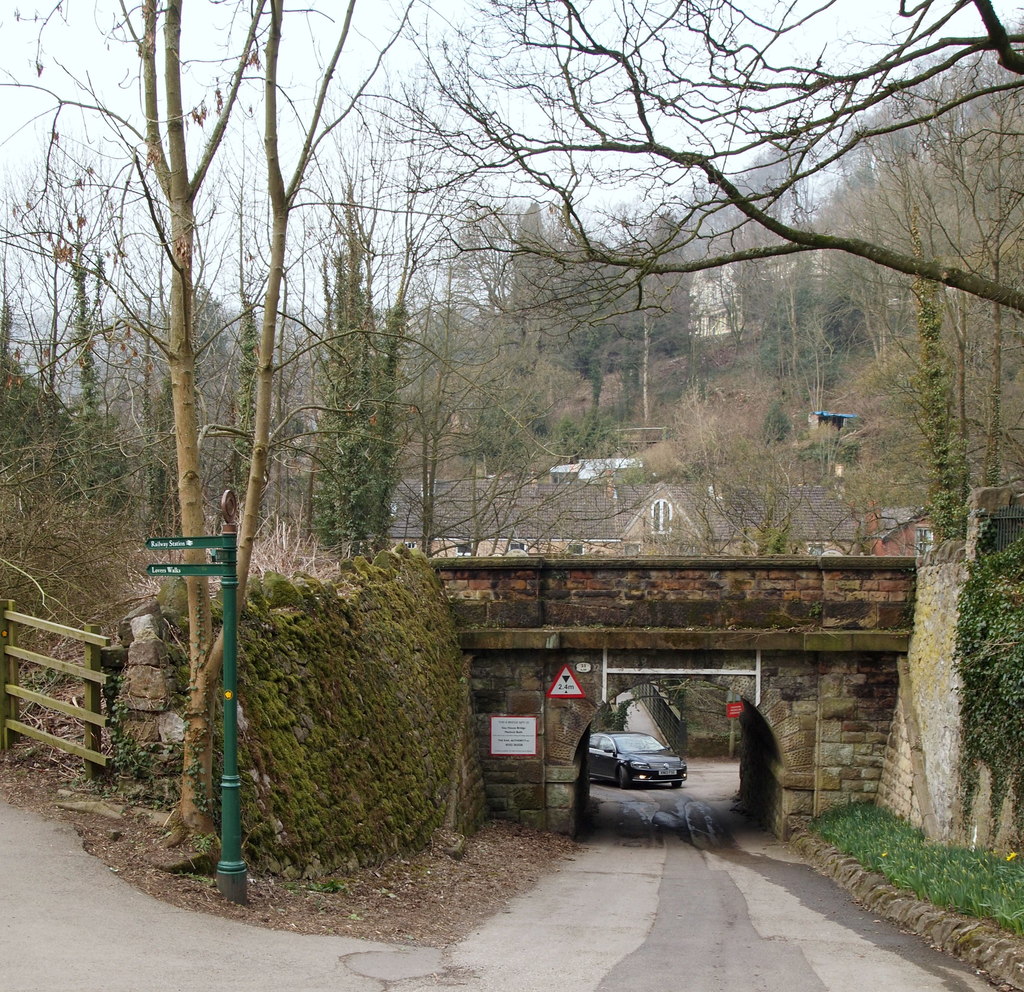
x,y
93,695
8,674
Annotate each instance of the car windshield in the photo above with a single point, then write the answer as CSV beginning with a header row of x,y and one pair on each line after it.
x,y
638,742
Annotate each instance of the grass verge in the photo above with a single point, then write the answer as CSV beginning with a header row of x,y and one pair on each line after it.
x,y
985,884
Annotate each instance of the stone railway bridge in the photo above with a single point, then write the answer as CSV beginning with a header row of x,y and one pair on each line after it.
x,y
811,644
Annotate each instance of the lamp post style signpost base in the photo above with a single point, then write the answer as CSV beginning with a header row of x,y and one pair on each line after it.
x,y
232,879
231,870
232,874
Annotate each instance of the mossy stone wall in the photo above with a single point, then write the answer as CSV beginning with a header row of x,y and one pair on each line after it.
x,y
953,761
920,780
354,729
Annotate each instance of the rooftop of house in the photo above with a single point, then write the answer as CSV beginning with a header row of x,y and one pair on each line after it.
x,y
837,420
602,511
588,469
891,519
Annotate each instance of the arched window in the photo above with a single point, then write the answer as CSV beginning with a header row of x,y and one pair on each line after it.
x,y
661,516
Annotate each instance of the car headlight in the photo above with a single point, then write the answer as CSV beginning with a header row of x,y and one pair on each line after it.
x,y
639,764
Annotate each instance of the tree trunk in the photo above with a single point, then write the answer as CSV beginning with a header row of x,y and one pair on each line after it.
x,y
645,371
993,464
195,806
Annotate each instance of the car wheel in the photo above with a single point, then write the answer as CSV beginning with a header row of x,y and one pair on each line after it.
x,y
622,777
677,785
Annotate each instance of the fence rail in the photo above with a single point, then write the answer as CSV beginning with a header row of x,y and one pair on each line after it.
x,y
1007,526
671,725
14,693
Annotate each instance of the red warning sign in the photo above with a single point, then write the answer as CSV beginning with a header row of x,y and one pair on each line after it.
x,y
733,710
566,686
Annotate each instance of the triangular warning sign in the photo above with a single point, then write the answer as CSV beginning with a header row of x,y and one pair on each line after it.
x,y
566,686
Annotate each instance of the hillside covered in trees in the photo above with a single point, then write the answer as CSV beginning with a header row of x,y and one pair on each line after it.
x,y
331,255
446,320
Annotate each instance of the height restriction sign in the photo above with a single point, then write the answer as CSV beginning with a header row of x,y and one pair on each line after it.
x,y
566,686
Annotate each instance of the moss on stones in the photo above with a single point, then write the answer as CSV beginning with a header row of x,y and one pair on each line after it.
x,y
280,592
173,599
353,743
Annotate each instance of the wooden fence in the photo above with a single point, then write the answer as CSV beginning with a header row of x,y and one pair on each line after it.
x,y
14,693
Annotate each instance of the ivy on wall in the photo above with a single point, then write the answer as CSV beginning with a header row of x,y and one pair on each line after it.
x,y
990,662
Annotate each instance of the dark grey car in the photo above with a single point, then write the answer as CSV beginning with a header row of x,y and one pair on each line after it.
x,y
627,758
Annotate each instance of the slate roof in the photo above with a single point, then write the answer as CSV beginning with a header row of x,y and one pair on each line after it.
x,y
890,519
702,521
811,513
492,509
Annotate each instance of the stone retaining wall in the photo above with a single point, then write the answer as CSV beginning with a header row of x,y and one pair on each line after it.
x,y
920,776
355,733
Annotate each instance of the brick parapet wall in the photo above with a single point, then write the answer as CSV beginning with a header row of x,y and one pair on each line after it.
x,y
854,593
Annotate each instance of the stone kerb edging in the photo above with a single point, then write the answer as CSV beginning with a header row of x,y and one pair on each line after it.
x,y
983,946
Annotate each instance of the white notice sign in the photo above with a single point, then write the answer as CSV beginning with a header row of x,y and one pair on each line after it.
x,y
513,735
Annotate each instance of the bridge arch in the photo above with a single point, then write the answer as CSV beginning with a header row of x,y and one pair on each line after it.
x,y
761,766
814,735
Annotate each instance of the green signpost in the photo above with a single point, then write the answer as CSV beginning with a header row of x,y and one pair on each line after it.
x,y
214,569
188,543
231,869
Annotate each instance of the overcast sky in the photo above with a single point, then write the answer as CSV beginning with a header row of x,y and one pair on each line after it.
x,y
79,48
74,44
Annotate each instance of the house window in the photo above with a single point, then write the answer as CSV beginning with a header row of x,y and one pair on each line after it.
x,y
575,549
411,545
661,516
517,545
923,540
463,550
815,549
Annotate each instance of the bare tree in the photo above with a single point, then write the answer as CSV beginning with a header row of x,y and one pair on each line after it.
x,y
475,400
172,149
709,113
950,190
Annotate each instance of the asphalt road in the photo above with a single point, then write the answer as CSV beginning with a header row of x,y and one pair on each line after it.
x,y
671,891
742,911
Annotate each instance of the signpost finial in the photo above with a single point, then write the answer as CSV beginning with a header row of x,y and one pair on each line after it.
x,y
229,509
